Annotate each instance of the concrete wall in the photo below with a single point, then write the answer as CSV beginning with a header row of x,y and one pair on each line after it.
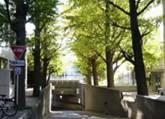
x,y
103,100
67,94
145,108
148,108
126,88
42,109
65,83
5,84
110,101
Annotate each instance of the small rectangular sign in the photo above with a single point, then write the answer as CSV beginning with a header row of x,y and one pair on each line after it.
x,y
18,63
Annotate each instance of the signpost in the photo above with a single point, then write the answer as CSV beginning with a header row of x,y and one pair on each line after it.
x,y
17,66
17,72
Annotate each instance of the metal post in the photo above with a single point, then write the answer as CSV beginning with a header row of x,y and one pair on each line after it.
x,y
17,88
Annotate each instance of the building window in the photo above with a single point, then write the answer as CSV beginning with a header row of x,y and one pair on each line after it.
x,y
3,63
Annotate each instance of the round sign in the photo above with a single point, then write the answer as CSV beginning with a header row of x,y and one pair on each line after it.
x,y
17,70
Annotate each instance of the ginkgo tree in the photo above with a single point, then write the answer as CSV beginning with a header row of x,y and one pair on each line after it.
x,y
136,10
98,18
40,14
88,60
90,21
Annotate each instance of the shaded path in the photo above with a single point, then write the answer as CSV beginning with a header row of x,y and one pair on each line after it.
x,y
79,115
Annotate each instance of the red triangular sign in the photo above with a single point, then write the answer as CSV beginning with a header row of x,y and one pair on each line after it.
x,y
18,51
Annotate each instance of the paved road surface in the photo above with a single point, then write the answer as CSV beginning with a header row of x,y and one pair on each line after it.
x,y
79,115
19,114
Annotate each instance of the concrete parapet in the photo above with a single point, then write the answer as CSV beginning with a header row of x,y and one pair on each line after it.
x,y
148,108
145,107
41,107
126,88
104,100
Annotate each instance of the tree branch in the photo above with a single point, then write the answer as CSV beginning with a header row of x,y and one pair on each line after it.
x,y
100,27
146,33
137,5
127,56
117,66
117,25
29,19
8,14
149,3
99,54
118,7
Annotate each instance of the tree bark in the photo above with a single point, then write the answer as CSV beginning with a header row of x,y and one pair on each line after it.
x,y
137,49
37,62
45,69
88,75
94,71
19,28
109,65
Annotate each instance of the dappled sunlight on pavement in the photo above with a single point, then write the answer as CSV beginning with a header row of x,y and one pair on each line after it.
x,y
79,115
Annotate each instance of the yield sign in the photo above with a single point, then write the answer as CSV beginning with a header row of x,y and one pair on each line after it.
x,y
18,51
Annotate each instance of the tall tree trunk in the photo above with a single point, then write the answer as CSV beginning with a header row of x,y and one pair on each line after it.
x,y
19,28
94,72
110,74
45,69
109,65
88,78
137,43
88,75
37,63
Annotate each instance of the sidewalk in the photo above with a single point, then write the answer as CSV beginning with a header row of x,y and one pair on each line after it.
x,y
30,102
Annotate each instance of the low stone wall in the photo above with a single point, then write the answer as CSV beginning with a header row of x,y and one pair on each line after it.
x,y
65,83
103,100
126,88
145,108
148,108
41,110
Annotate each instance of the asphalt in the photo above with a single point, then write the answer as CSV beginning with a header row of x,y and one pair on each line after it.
x,y
19,115
79,115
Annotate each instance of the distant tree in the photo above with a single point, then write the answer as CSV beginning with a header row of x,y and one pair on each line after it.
x,y
49,51
40,13
91,20
88,60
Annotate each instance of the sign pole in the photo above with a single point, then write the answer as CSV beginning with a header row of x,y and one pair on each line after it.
x,y
17,88
18,65
17,71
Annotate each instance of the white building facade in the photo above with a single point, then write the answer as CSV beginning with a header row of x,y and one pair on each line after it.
x,y
7,83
